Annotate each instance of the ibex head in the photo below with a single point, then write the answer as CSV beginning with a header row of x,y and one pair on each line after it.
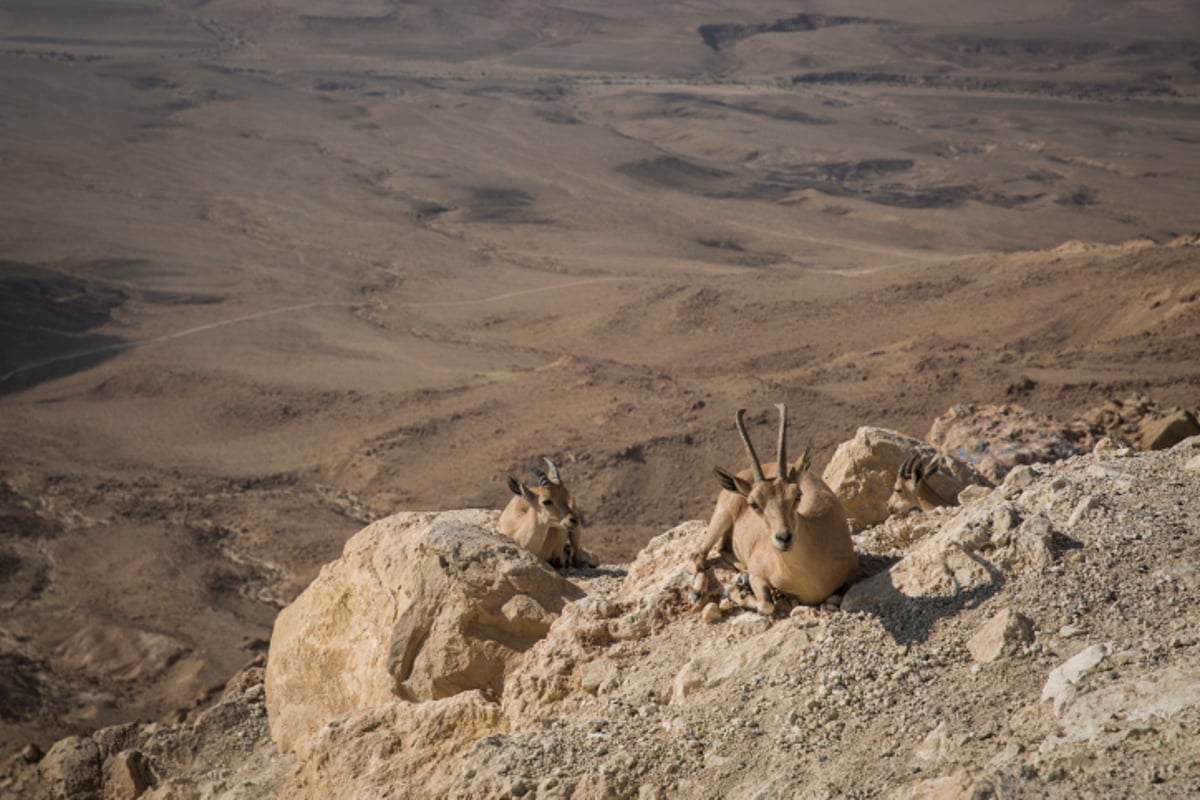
x,y
549,498
776,498
910,492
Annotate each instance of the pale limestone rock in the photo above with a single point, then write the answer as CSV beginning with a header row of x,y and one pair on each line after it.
x,y
1003,635
367,753
707,671
863,470
663,563
959,785
1085,505
969,553
128,775
420,606
555,666
934,747
973,494
71,770
1060,685
598,674
1164,693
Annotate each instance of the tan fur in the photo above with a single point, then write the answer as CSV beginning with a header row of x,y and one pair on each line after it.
x,y
544,520
790,533
912,491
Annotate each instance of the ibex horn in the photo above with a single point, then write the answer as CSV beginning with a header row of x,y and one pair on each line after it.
x,y
553,470
782,449
755,464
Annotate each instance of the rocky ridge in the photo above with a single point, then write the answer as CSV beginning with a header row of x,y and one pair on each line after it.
x,y
1038,641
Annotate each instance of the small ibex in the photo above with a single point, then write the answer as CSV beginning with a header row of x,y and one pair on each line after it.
x,y
544,520
788,529
912,491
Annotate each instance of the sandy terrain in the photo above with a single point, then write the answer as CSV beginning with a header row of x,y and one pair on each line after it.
x,y
268,271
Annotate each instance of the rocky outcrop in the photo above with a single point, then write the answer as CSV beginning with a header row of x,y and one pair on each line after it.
x,y
863,470
395,750
996,438
1039,641
421,606
1141,422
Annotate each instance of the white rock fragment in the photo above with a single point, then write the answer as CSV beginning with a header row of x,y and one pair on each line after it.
x,y
1060,686
1086,504
934,747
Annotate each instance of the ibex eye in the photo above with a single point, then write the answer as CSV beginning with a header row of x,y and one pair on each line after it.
x,y
756,506
547,502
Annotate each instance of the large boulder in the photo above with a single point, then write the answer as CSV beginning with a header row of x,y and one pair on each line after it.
x,y
863,470
420,606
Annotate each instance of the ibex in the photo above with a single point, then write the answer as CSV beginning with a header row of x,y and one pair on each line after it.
x,y
543,519
787,528
912,491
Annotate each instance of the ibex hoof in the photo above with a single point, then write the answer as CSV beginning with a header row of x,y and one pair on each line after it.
x,y
699,583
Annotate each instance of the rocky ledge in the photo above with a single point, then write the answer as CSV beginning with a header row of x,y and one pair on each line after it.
x,y
1038,641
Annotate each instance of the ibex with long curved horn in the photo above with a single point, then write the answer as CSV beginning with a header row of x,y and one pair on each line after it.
x,y
785,525
544,520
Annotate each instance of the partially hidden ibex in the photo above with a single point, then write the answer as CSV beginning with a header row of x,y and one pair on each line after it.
x,y
787,528
912,491
544,520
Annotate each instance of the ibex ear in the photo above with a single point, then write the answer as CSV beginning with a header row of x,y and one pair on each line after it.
x,y
923,469
802,464
515,487
732,483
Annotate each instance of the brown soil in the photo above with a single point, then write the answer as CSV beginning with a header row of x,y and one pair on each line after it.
x,y
271,272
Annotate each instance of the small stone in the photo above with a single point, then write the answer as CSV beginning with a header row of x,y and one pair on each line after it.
x,y
1088,503
129,774
598,673
711,613
1060,685
973,494
1003,635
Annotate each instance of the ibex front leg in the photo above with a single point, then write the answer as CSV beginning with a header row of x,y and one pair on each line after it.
x,y
762,600
719,529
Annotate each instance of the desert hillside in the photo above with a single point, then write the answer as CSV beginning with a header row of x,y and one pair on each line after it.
x,y
272,271
1037,642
